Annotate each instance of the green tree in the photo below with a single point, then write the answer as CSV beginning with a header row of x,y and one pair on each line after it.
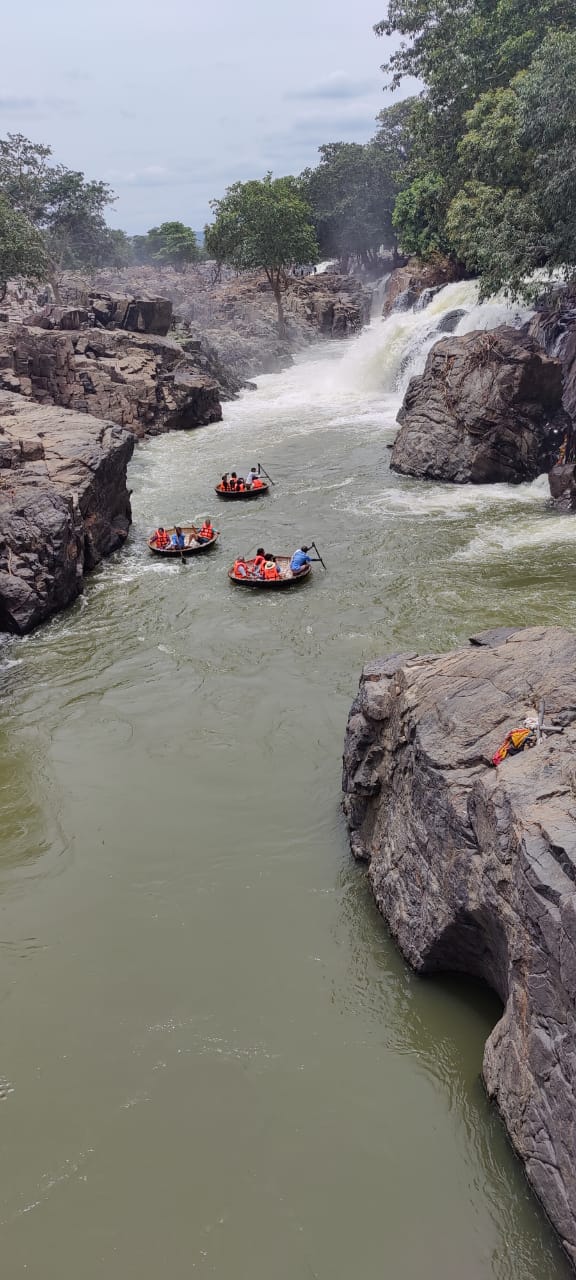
x,y
173,243
263,224
60,202
353,189
22,248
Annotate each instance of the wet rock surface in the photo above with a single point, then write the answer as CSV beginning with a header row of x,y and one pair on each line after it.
x,y
415,284
474,868
481,412
63,505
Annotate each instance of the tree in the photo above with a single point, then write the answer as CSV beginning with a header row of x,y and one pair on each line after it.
x,y
22,248
263,224
60,202
352,191
174,243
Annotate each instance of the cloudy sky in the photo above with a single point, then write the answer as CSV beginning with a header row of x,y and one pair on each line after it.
x,y
172,100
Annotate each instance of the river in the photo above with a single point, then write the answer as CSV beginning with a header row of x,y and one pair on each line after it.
x,y
213,1060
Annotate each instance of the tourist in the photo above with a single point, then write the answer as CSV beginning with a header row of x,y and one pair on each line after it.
x,y
260,562
224,484
251,477
178,540
206,533
257,483
240,484
300,559
233,482
240,569
161,538
271,570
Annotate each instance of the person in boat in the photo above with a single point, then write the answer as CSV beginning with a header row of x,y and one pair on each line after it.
x,y
260,561
206,533
178,540
240,484
225,483
271,570
300,559
240,569
161,538
257,482
251,477
233,482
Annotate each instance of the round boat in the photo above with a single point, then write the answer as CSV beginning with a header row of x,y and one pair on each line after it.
x,y
288,579
235,495
179,552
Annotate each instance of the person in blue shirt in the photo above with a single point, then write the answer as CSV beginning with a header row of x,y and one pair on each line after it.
x,y
300,559
178,539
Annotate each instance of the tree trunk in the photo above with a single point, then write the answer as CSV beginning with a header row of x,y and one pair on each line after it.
x,y
275,278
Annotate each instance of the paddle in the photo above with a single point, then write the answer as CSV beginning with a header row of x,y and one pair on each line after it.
x,y
318,554
261,469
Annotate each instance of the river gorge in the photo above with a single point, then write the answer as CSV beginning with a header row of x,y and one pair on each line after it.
x,y
214,1060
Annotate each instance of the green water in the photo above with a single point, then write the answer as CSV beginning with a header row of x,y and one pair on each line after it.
x,y
213,1061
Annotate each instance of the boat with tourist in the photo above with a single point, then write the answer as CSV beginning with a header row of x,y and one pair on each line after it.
x,y
192,543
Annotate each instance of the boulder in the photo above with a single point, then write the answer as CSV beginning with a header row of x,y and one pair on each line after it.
x,y
474,867
415,284
146,383
63,505
481,412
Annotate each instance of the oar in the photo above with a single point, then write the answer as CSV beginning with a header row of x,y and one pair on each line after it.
x,y
319,556
261,468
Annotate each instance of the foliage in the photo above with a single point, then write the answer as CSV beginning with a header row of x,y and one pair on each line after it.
x,y
171,242
492,159
22,248
264,224
66,208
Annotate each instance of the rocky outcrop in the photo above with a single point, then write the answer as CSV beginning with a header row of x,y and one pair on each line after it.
x,y
482,411
337,306
562,481
474,868
416,283
106,311
63,505
147,384
554,328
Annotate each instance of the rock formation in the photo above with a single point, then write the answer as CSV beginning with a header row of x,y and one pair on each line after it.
x,y
148,384
63,505
416,283
474,868
107,311
482,411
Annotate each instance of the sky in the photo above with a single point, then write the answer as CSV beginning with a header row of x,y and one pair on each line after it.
x,y
170,101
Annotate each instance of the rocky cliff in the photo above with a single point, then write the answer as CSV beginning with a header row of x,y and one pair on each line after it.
x,y
63,505
474,867
483,410
145,383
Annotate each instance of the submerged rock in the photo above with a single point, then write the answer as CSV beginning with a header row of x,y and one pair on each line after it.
x,y
482,410
63,505
474,868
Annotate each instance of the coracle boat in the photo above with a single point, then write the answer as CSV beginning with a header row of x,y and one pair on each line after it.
x,y
188,550
236,495
288,579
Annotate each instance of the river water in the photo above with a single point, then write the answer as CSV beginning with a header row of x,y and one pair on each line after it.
x,y
213,1061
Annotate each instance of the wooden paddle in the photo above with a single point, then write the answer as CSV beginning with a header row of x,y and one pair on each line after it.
x,y
261,469
318,554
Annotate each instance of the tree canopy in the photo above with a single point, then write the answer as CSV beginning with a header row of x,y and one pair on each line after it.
x,y
22,248
263,224
492,161
171,242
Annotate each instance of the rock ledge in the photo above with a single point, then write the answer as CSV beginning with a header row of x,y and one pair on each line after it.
x,y
474,868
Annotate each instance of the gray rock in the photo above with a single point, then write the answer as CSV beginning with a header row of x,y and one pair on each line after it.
x,y
474,868
63,505
481,411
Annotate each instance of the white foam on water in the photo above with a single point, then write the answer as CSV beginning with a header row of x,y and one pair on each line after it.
x,y
499,541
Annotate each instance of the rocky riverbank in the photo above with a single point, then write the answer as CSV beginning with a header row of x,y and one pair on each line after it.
x,y
63,505
474,867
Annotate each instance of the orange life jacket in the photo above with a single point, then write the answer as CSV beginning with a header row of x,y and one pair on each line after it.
x,y
206,531
259,562
240,564
240,487
161,539
272,572
257,483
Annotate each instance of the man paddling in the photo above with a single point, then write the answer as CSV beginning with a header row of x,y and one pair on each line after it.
x,y
300,559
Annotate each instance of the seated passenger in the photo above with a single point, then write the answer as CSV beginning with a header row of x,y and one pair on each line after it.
x,y
240,569
233,482
225,483
240,484
300,559
178,539
259,562
257,483
161,538
271,570
206,532
251,477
